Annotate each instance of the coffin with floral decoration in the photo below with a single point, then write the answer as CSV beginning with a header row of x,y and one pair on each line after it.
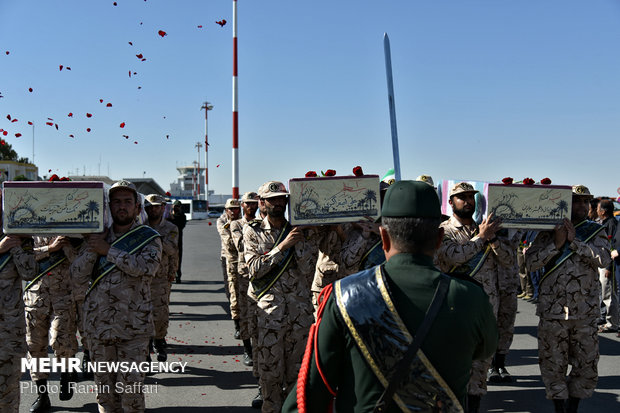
x,y
529,206
61,207
334,199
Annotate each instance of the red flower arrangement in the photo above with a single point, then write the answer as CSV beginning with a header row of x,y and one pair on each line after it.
x,y
330,172
545,181
54,178
311,174
357,171
528,181
507,181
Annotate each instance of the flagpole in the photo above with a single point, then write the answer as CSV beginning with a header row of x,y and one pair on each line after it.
x,y
235,103
390,85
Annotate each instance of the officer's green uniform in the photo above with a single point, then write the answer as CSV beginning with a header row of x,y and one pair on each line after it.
x,y
464,329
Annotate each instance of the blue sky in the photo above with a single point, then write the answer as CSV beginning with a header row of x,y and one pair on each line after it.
x,y
484,89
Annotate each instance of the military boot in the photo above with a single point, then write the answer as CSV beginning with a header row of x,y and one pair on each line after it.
x,y
247,352
160,347
237,330
500,365
559,405
42,403
257,402
86,374
66,389
572,404
473,403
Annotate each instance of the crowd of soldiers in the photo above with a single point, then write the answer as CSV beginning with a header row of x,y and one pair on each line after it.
x,y
275,273
118,280
276,277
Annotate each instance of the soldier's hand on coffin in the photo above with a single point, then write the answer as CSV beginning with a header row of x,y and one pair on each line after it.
x,y
9,242
98,244
291,239
570,230
489,226
58,243
559,235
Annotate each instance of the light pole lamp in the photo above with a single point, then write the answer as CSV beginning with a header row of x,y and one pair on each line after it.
x,y
207,107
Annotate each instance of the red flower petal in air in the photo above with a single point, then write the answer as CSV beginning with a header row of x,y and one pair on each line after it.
x,y
49,123
29,123
2,142
143,60
70,114
109,105
122,125
49,170
87,129
162,33
8,117
14,120
71,136
126,136
17,135
7,52
56,126
60,67
131,44
200,26
168,194
30,89
68,68
221,22
310,174
139,56
135,142
218,165
5,133
89,115
100,100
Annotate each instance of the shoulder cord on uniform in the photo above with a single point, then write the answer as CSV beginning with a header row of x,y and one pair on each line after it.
x,y
311,344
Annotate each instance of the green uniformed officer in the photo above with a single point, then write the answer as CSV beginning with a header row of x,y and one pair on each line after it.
x,y
355,355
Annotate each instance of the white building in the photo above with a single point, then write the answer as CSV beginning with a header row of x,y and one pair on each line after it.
x,y
189,183
9,170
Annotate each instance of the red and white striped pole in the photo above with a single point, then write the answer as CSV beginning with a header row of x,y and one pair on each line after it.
x,y
235,108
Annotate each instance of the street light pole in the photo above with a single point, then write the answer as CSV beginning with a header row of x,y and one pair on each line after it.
x,y
198,145
207,107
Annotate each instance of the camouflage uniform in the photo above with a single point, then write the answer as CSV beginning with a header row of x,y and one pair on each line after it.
x,y
508,283
284,312
568,308
160,285
50,306
359,241
242,279
119,314
223,229
327,265
22,266
459,245
232,258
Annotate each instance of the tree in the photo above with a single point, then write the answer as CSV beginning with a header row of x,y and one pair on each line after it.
x,y
93,208
7,153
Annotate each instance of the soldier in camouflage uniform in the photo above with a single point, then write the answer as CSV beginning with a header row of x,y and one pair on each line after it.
x,y
222,229
50,306
232,211
118,306
508,284
568,304
280,267
247,300
166,274
473,250
19,265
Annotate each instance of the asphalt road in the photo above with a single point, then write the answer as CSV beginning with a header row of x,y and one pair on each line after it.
x,y
215,380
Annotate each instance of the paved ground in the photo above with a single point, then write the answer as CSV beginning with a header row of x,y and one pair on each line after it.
x,y
201,334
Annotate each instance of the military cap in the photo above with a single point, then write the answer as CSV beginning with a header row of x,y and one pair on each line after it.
x,y
249,197
123,184
582,190
272,189
232,203
461,188
411,199
426,178
154,200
